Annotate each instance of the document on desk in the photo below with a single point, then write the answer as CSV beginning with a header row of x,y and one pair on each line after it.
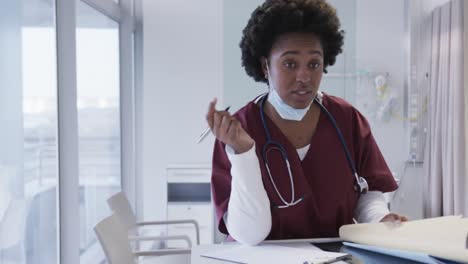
x,y
441,237
272,254
415,256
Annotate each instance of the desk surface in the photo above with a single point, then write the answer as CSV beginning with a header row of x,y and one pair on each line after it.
x,y
359,256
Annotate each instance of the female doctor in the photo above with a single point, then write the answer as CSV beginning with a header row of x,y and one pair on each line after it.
x,y
295,162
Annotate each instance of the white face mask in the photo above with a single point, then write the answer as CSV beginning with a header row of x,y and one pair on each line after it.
x,y
284,110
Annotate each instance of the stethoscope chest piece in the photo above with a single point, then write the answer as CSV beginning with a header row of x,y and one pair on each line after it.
x,y
361,185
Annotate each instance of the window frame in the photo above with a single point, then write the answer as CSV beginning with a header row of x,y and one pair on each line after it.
x,y
68,151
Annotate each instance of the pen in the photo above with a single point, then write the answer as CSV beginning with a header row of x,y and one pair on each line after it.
x,y
207,130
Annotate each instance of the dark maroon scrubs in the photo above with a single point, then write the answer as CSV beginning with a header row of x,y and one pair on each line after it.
x,y
323,177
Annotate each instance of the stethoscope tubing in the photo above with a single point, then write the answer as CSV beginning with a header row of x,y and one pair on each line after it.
x,y
277,145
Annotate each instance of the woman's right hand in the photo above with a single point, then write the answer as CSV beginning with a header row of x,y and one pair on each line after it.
x,y
228,129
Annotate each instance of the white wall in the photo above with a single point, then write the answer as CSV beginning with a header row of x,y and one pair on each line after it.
x,y
381,43
239,88
182,60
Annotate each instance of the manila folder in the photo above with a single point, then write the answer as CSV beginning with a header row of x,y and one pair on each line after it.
x,y
443,237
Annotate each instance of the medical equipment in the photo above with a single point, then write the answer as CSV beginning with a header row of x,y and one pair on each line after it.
x,y
380,83
360,183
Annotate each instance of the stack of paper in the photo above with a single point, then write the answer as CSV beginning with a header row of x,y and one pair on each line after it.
x,y
272,254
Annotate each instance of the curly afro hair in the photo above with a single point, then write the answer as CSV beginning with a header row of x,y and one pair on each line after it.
x,y
276,17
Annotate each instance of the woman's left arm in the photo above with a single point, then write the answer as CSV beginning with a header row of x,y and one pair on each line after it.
x,y
372,207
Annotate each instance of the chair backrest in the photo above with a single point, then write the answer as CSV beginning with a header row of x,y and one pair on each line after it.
x,y
13,224
114,241
120,205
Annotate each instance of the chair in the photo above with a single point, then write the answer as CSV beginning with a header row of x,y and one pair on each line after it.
x,y
120,205
113,237
12,232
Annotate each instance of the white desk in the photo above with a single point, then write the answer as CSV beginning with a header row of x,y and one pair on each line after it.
x,y
198,250
359,256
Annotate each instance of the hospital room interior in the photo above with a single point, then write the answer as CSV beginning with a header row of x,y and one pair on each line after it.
x,y
102,103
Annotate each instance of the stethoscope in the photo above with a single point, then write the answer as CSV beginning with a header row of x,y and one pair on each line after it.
x,y
360,183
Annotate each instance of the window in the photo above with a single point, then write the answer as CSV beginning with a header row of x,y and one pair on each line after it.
x,y
28,114
97,50
49,159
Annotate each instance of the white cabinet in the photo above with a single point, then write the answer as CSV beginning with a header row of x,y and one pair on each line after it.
x,y
189,197
188,174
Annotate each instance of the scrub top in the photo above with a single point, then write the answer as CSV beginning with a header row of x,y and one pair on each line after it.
x,y
323,178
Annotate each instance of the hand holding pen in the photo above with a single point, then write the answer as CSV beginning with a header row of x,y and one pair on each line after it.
x,y
228,129
208,129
